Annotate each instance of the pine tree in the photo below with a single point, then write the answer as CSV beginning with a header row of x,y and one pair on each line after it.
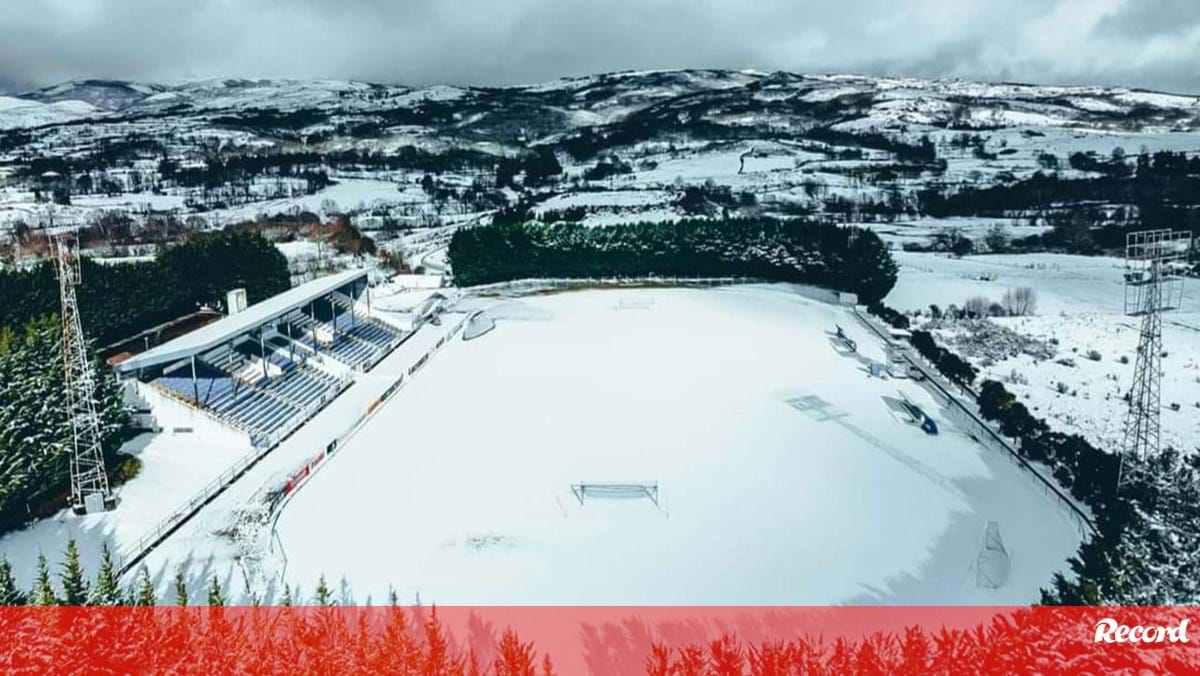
x,y
9,594
324,595
43,592
181,592
145,589
75,587
107,591
215,598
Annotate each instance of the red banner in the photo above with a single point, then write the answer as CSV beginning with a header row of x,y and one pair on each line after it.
x,y
657,641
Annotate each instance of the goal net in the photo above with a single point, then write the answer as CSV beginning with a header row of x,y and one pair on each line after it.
x,y
477,325
992,563
615,491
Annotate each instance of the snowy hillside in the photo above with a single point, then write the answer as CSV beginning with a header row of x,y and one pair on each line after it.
x,y
625,145
1080,364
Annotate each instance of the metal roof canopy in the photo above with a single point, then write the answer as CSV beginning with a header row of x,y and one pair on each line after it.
x,y
224,330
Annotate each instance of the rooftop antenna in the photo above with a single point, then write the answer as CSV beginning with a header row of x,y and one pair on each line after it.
x,y
89,480
1155,261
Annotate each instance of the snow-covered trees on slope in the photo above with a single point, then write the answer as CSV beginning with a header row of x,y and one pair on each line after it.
x,y
838,257
118,301
35,430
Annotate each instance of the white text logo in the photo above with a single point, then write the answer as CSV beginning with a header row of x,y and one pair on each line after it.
x,y
1109,630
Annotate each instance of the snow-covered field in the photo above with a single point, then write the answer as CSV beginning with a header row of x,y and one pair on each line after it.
x,y
176,465
459,490
1081,308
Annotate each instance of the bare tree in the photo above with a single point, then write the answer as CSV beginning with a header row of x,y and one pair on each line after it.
x,y
976,307
1020,301
997,238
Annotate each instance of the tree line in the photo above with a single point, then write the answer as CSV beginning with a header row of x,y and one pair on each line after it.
x,y
119,300
49,631
115,301
845,258
1162,190
1147,550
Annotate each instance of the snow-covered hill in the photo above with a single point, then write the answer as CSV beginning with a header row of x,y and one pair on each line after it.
x,y
629,145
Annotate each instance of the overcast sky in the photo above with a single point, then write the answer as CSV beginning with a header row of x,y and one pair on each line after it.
x,y
1139,43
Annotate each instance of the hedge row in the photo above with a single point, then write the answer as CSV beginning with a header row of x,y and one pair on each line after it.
x,y
838,257
1145,551
952,366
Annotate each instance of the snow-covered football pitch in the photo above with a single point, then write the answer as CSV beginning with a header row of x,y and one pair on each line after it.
x,y
785,473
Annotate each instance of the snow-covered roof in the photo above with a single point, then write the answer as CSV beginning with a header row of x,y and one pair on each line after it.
x,y
230,327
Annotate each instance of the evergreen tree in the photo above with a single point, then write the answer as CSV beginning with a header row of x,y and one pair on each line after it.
x,y
107,591
837,257
215,597
9,594
324,596
43,592
35,431
181,592
145,589
75,587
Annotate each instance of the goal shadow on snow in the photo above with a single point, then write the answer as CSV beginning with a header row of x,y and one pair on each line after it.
x,y
946,576
948,573
822,411
842,346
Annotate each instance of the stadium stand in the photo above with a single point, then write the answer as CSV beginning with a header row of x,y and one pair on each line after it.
x,y
262,371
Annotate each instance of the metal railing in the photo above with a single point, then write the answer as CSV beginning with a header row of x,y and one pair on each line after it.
x,y
132,556
933,378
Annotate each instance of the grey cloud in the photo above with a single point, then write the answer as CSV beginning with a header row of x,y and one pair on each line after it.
x,y
1146,43
1150,18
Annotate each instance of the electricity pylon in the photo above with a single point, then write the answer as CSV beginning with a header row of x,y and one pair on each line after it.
x,y
1154,262
89,481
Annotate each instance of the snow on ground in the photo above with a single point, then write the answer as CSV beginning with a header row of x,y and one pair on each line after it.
x,y
347,193
923,230
177,463
1082,394
23,113
459,488
199,545
1064,283
301,248
1081,306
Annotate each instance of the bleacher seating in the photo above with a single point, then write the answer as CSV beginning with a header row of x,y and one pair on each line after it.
x,y
262,406
263,402
356,340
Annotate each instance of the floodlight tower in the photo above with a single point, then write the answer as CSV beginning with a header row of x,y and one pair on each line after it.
x,y
1154,265
89,481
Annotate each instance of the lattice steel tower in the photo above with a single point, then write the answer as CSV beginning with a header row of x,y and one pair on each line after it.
x,y
89,481
1155,261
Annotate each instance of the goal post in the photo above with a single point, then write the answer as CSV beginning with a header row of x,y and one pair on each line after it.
x,y
633,303
992,564
616,491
